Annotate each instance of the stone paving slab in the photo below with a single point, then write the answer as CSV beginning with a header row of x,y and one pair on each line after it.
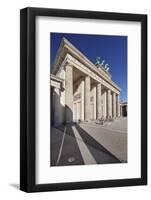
x,y
69,151
104,143
111,136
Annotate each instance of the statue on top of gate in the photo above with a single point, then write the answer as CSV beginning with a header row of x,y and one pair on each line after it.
x,y
101,64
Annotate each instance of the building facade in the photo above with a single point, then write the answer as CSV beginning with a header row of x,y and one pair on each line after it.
x,y
123,109
80,90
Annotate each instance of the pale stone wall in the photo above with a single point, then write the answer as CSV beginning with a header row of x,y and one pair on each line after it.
x,y
87,99
94,95
111,97
57,101
117,106
61,73
114,105
69,94
93,102
58,109
77,87
77,100
98,101
109,104
108,83
62,102
82,100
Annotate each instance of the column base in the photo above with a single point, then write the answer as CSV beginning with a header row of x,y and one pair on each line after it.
x,y
109,118
87,120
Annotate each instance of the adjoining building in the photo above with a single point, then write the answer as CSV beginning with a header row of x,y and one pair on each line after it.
x,y
81,90
123,109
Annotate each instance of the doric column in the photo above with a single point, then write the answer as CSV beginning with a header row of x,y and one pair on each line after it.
x,y
95,109
117,106
114,104
121,110
105,104
82,100
109,109
87,98
99,98
56,106
68,93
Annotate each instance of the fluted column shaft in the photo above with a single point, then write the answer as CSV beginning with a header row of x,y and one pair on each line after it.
x,y
117,106
109,109
87,98
114,104
99,98
68,94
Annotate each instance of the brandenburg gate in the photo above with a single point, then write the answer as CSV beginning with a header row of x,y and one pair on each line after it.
x,y
81,90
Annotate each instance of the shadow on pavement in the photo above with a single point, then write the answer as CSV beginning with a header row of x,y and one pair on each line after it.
x,y
101,154
70,153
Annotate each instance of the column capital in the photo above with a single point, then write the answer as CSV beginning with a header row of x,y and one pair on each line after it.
x,y
113,93
109,91
68,65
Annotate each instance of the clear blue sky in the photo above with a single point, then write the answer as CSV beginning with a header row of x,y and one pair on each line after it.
x,y
112,49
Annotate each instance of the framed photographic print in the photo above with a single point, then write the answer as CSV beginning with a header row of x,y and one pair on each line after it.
x,y
83,99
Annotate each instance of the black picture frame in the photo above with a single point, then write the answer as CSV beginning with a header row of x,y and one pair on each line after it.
x,y
28,98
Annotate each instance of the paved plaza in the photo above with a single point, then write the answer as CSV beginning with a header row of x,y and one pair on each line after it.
x,y
89,143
